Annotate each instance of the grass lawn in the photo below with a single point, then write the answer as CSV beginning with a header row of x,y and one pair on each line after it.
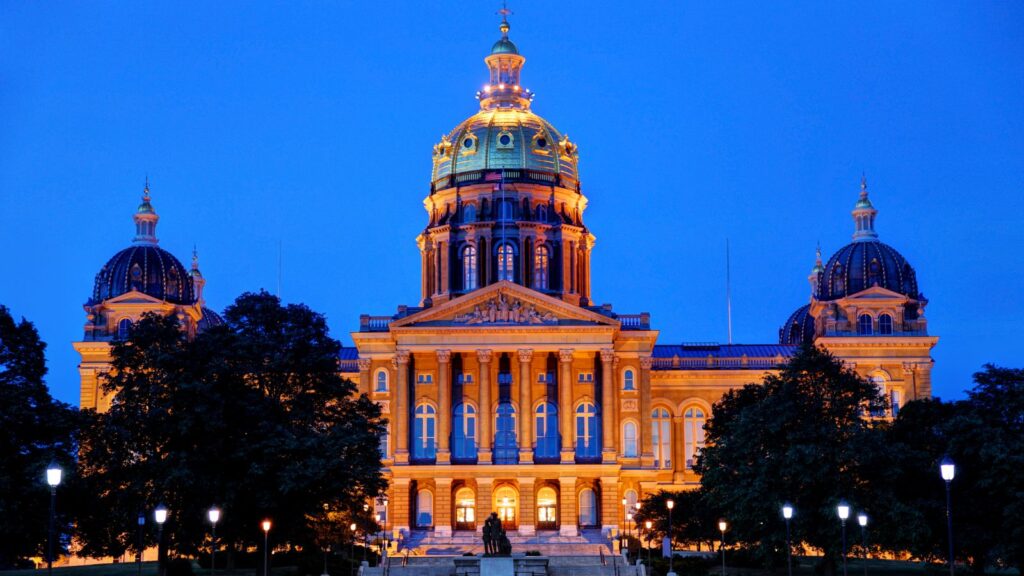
x,y
130,569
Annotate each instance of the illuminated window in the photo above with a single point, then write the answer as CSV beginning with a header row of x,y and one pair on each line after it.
x,y
540,268
661,437
693,434
628,380
506,263
864,325
425,434
885,325
469,273
629,440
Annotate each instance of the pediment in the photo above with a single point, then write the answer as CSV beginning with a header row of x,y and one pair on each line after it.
x,y
876,293
505,304
133,297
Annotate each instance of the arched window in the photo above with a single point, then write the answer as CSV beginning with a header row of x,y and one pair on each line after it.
x,y
540,268
631,500
587,444
469,211
547,508
629,440
693,434
124,329
879,381
628,380
838,285
506,263
464,432
661,437
505,210
588,507
874,273
506,449
507,502
465,509
469,273
381,381
542,212
885,324
546,423
385,447
424,431
864,325
424,508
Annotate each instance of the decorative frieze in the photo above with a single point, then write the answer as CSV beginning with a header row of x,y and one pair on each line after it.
x,y
506,310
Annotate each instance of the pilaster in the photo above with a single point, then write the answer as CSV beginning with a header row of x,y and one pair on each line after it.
x,y
486,436
484,489
364,375
444,406
646,447
567,509
611,507
443,507
527,507
565,410
525,408
608,421
401,413
398,506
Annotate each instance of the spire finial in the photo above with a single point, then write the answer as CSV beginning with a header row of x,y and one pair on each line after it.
x,y
195,258
145,190
505,13
864,214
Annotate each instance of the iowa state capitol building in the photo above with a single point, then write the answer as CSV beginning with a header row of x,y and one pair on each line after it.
x,y
506,388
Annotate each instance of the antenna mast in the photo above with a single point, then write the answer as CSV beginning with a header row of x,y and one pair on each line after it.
x,y
728,290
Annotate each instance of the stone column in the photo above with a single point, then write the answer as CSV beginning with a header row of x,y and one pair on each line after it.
x,y
611,506
444,406
401,413
525,407
365,386
527,507
486,436
910,380
924,380
644,432
609,424
484,488
443,507
565,409
398,506
567,506
678,449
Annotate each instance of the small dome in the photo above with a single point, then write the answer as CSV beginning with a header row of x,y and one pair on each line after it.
x,y
799,328
148,269
509,138
863,264
209,320
504,46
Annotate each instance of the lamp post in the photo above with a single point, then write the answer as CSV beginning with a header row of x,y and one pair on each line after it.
x,y
862,519
138,555
843,509
214,516
352,548
266,542
53,474
722,527
647,526
948,470
160,515
670,504
787,514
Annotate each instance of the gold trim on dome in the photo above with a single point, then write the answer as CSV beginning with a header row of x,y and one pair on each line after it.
x,y
536,148
463,150
511,140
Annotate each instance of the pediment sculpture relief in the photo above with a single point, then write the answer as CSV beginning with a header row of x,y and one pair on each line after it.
x,y
505,310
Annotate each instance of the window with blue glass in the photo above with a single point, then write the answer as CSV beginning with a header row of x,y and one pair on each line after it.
x,y
382,381
628,380
506,449
864,325
587,444
546,429
124,328
885,325
464,433
425,433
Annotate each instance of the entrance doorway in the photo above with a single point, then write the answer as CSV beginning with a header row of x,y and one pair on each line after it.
x,y
465,509
547,509
507,502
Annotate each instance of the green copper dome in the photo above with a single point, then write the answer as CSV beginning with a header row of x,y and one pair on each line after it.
x,y
504,46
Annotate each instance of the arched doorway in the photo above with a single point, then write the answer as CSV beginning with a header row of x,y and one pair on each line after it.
x,y
465,509
587,508
547,509
506,502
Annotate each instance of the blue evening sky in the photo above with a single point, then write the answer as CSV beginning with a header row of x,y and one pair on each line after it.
x,y
309,125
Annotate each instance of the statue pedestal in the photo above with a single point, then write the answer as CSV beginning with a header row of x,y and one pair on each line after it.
x,y
497,567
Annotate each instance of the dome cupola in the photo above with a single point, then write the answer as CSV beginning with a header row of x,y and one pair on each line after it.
x,y
798,328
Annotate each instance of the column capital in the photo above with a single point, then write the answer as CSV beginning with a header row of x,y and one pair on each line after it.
x,y
525,354
910,366
364,364
484,355
444,356
565,355
607,355
646,362
401,357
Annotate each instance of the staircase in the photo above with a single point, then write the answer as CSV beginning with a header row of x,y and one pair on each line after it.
x,y
548,543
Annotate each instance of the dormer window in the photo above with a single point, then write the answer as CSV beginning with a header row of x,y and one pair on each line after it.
x,y
469,144
505,140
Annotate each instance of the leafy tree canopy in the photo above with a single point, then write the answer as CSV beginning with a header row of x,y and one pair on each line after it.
x,y
252,417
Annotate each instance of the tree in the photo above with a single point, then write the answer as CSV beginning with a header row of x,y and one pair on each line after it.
x,y
252,416
693,521
799,436
37,430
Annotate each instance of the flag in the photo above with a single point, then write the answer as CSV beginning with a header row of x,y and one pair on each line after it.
x,y
494,176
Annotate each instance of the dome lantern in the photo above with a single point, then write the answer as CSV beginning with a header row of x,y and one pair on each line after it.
x,y
505,64
145,220
864,215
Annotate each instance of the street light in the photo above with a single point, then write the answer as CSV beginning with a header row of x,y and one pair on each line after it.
x,y
948,470
214,516
862,519
352,548
722,527
160,515
787,514
843,509
266,542
53,474
647,526
670,504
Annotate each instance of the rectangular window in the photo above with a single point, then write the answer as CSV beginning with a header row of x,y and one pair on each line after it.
x,y
586,377
424,378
